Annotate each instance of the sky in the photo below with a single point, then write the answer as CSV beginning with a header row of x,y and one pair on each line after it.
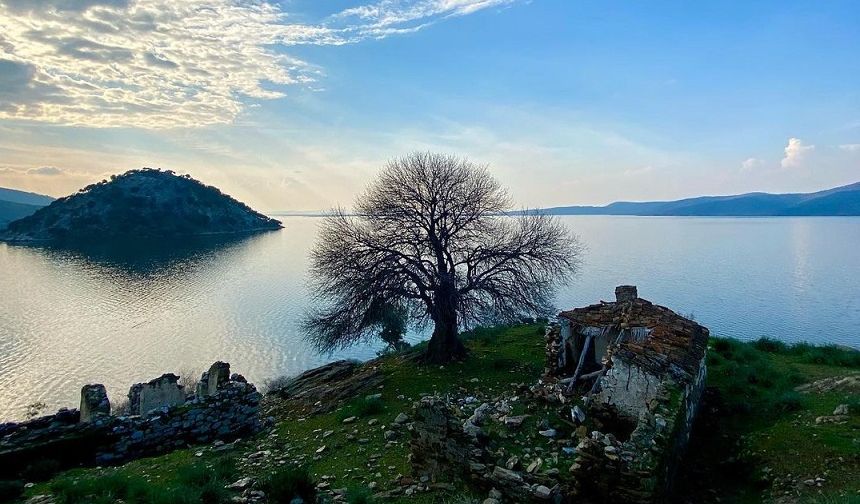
x,y
295,105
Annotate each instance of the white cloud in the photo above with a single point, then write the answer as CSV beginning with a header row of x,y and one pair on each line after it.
x,y
751,163
795,153
165,63
850,147
45,170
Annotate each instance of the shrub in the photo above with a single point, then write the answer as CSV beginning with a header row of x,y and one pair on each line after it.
x,y
362,407
288,483
770,345
788,402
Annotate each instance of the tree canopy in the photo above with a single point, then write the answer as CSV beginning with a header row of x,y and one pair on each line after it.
x,y
430,237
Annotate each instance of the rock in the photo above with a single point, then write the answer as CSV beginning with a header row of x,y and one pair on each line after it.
x,y
577,415
480,415
534,466
471,429
507,475
401,419
512,462
41,499
372,422
515,422
495,494
349,420
550,433
842,409
217,376
490,500
239,484
157,393
542,492
326,387
94,402
373,397
389,435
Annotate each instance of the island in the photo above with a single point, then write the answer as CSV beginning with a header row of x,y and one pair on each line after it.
x,y
144,203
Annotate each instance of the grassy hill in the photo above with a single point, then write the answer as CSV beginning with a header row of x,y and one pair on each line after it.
x,y
139,204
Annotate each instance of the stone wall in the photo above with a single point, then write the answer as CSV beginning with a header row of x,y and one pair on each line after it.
x,y
639,468
71,438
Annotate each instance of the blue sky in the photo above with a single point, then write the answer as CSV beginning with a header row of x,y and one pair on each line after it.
x,y
295,105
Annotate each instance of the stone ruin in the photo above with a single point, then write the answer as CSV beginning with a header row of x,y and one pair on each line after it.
x,y
161,418
630,374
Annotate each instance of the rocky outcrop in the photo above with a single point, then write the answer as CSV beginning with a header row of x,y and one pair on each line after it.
x,y
324,388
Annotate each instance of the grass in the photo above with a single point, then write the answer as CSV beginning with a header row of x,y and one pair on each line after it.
x,y
757,422
762,431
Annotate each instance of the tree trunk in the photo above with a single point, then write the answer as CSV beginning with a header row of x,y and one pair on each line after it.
x,y
445,345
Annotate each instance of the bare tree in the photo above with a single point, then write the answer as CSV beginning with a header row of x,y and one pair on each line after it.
x,y
430,236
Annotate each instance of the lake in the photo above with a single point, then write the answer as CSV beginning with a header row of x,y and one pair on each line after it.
x,y
122,315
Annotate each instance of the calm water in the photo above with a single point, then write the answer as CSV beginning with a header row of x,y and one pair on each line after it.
x,y
126,315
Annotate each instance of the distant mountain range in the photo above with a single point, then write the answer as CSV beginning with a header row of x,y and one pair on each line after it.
x,y
16,204
843,200
143,203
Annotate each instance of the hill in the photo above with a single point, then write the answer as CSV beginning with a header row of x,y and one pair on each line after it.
x,y
844,200
16,205
139,204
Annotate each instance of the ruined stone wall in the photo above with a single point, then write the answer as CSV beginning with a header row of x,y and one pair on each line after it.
x,y
231,411
641,468
628,388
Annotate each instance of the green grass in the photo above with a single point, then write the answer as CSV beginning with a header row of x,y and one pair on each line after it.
x,y
767,429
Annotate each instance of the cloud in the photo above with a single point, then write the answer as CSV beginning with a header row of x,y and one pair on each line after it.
x,y
850,147
795,153
751,164
163,63
45,170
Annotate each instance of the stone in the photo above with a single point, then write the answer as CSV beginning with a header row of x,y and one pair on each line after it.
x,y
349,420
577,415
550,433
401,418
480,414
842,409
155,394
506,475
515,422
542,492
218,375
239,484
624,293
94,402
